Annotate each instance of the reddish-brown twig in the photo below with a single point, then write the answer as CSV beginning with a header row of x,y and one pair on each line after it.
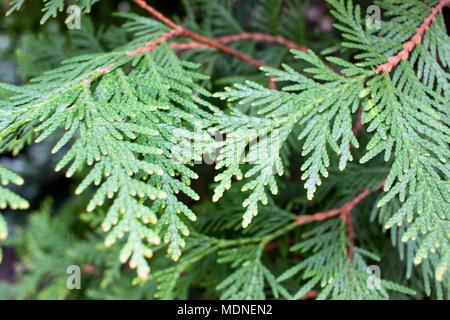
x,y
90,269
358,126
346,207
309,295
344,213
101,71
177,30
275,244
149,46
409,45
271,245
198,38
259,37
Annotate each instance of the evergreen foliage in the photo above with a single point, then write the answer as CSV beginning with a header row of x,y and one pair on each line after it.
x,y
131,116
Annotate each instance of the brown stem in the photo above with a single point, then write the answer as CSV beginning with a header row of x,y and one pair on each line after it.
x,y
409,45
275,244
358,126
102,71
260,37
156,13
348,206
317,216
90,269
344,213
271,245
196,37
149,46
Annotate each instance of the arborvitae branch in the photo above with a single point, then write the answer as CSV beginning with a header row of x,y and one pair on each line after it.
x,y
124,111
149,46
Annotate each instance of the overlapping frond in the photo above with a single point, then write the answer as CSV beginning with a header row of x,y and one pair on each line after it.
x,y
52,8
123,124
330,267
9,199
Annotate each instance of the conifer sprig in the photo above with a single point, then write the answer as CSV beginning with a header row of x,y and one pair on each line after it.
x,y
119,116
405,111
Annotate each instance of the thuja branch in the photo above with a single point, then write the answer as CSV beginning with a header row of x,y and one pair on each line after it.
x,y
149,46
344,213
259,37
409,45
343,210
